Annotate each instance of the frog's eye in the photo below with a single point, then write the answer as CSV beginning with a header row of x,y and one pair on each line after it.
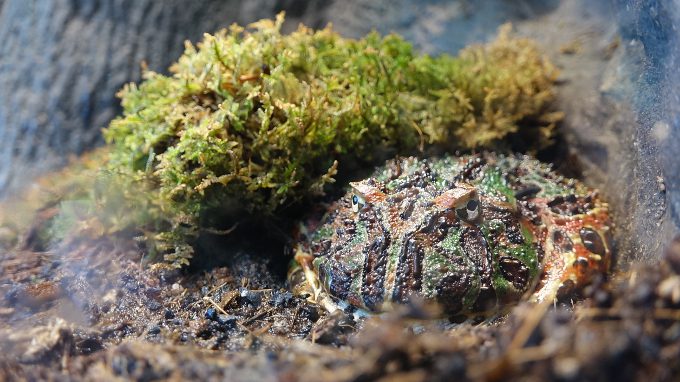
x,y
357,202
472,208
470,211
366,192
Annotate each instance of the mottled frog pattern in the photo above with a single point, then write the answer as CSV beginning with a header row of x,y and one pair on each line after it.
x,y
474,233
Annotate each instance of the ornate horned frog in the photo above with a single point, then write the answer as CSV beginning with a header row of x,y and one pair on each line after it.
x,y
474,233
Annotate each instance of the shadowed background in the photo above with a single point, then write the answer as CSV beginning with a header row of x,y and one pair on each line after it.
x,y
62,61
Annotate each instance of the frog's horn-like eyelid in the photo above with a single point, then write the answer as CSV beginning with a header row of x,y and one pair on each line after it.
x,y
458,194
371,194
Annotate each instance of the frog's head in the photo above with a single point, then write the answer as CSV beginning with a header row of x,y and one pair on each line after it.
x,y
463,198
577,242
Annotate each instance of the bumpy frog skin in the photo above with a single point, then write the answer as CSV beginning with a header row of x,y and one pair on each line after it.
x,y
474,233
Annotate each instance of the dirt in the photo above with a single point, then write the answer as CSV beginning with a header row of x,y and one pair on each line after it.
x,y
95,311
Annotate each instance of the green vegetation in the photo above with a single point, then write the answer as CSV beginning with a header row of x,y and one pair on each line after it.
x,y
251,121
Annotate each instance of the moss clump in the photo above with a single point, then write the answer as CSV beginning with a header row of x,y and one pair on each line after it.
x,y
83,200
253,120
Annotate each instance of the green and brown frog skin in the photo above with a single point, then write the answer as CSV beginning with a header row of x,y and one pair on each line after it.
x,y
475,233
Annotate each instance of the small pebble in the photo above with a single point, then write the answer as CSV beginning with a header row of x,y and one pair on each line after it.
x,y
226,320
566,368
176,289
154,330
210,313
280,299
154,305
152,292
252,298
169,314
12,295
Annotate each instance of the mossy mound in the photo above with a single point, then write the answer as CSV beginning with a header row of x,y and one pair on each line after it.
x,y
253,120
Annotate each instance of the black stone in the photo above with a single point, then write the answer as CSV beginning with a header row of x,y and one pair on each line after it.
x,y
250,297
227,320
184,337
210,313
154,306
280,299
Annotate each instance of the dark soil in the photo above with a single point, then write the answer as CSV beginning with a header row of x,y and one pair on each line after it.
x,y
90,310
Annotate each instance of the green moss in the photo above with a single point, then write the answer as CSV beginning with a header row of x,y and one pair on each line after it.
x,y
251,121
